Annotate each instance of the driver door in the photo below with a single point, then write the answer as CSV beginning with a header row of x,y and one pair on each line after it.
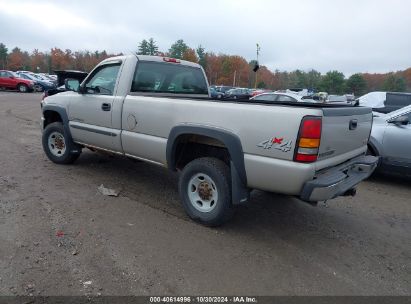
x,y
90,112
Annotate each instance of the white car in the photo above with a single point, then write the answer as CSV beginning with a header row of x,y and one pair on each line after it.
x,y
277,97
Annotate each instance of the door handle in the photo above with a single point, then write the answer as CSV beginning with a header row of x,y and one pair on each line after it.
x,y
353,124
106,107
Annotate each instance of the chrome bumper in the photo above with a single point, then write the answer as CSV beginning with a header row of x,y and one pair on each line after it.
x,y
338,180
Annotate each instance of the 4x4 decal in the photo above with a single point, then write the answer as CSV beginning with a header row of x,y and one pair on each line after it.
x,y
276,143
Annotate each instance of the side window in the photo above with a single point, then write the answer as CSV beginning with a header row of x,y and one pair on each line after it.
x,y
158,77
400,100
266,97
285,98
2,74
103,80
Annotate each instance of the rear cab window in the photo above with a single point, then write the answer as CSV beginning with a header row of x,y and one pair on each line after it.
x,y
169,79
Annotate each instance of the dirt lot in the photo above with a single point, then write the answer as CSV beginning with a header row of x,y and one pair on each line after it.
x,y
60,236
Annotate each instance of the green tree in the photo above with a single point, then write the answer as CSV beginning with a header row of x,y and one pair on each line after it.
x,y
313,79
178,49
394,83
298,79
143,48
333,83
3,56
356,84
202,60
261,85
152,47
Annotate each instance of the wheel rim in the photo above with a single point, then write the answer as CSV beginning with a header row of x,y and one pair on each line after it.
x,y
38,88
202,192
57,144
23,88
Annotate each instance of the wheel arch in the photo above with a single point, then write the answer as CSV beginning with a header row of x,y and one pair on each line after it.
x,y
230,141
54,112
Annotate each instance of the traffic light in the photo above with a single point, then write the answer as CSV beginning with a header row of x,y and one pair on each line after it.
x,y
256,67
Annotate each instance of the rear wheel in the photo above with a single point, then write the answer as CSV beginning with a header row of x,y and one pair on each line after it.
x,y
205,191
57,145
23,88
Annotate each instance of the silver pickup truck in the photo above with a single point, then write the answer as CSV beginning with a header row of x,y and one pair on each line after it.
x,y
158,109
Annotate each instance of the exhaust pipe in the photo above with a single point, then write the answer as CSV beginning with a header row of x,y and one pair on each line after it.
x,y
350,192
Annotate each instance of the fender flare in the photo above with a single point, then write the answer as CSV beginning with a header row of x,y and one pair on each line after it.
x,y
64,117
232,142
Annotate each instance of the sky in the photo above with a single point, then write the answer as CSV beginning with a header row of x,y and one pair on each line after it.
x,y
346,35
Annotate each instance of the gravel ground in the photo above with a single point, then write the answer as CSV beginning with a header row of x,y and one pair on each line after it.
x,y
60,236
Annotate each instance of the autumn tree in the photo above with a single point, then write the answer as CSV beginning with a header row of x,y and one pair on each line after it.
x,y
38,61
190,55
15,60
407,76
3,55
178,49
356,84
374,82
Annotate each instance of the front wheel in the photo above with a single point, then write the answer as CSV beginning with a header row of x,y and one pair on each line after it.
x,y
205,191
57,145
23,88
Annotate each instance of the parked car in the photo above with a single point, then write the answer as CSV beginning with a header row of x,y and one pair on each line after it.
x,y
39,85
223,89
279,97
45,78
384,102
238,93
222,149
215,94
12,81
391,140
256,92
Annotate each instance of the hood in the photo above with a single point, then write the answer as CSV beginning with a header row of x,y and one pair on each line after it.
x,y
373,100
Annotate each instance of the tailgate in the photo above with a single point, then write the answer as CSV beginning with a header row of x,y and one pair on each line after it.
x,y
344,130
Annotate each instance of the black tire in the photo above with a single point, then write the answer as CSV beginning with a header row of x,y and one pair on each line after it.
x,y
219,172
39,88
66,157
22,88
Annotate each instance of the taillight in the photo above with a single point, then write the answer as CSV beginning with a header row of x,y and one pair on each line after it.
x,y
308,141
173,60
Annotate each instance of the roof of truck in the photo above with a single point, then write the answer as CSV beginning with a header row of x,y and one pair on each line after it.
x,y
154,59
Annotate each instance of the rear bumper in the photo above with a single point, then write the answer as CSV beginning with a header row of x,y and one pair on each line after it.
x,y
336,181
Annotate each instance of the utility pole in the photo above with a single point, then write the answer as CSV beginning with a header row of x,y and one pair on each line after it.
x,y
235,74
256,67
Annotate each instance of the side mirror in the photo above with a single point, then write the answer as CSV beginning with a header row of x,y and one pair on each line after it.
x,y
11,77
71,84
400,120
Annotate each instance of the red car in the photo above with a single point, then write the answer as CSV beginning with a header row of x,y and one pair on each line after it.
x,y
9,80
